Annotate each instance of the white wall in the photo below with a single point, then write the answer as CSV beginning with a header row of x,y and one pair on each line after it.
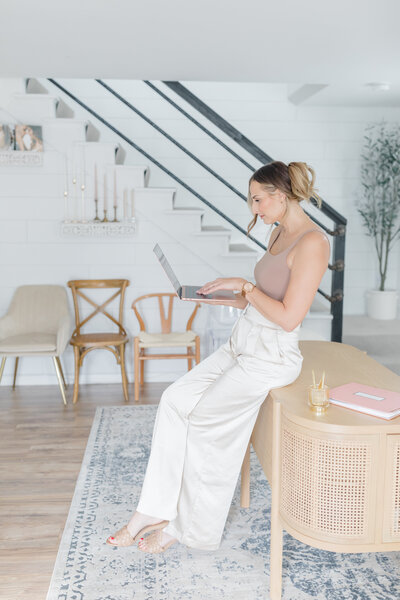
x,y
32,250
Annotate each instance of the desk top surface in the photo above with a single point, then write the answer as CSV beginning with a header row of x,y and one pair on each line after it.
x,y
342,363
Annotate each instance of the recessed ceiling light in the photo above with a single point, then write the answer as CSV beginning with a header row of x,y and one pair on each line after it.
x,y
379,85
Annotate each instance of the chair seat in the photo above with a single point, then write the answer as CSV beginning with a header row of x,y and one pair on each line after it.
x,y
99,339
28,342
166,340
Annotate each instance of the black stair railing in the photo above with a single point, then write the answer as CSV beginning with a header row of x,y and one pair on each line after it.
x,y
339,230
336,297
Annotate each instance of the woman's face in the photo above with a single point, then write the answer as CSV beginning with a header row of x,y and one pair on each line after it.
x,y
269,206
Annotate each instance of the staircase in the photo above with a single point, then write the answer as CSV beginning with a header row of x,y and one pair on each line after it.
x,y
208,248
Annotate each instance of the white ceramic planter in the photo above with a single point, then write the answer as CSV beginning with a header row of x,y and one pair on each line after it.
x,y
382,305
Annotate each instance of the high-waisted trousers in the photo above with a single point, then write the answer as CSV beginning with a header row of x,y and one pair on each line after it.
x,y
203,425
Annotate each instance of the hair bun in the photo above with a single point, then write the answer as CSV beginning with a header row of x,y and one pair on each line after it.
x,y
302,181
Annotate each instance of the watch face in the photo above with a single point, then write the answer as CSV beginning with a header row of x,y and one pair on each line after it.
x,y
248,286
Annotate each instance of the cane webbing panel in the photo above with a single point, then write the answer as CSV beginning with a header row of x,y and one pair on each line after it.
x,y
325,484
394,523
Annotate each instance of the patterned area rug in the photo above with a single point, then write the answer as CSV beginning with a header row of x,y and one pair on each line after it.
x,y
108,490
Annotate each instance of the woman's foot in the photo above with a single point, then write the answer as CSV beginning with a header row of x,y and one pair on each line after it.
x,y
138,524
156,542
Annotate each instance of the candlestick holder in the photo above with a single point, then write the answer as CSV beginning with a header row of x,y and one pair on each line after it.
x,y
66,212
115,220
105,220
75,196
83,220
96,218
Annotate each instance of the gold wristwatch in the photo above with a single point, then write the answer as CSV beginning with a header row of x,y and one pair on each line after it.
x,y
247,287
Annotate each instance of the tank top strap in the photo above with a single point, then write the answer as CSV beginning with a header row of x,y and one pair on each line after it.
x,y
308,231
302,235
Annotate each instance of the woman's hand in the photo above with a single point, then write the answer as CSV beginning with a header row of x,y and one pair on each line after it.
x,y
222,283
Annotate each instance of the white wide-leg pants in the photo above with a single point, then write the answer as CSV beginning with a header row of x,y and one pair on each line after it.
x,y
203,425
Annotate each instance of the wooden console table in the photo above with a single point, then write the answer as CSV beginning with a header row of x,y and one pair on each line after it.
x,y
335,478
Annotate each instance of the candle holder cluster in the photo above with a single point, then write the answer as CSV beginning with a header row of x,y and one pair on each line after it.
x,y
75,221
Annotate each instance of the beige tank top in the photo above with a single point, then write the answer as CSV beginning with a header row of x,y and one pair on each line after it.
x,y
272,274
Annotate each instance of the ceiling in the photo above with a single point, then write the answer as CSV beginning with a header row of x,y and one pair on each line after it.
x,y
327,51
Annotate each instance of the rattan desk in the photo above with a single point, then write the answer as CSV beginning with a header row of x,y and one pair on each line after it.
x,y
335,478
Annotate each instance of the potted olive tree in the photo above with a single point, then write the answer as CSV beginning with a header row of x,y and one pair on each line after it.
x,y
380,207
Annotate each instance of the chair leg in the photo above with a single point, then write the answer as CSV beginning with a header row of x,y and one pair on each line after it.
x,y
189,350
197,349
3,362
123,372
60,382
136,367
15,371
61,371
142,370
77,367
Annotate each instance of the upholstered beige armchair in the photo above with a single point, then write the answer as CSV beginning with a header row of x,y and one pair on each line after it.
x,y
37,323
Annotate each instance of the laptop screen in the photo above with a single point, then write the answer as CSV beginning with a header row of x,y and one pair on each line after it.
x,y
167,267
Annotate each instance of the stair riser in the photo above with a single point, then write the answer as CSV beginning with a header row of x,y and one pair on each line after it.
x,y
33,109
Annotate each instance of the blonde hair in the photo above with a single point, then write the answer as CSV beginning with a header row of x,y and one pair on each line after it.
x,y
296,180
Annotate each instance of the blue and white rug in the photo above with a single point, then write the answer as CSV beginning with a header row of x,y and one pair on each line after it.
x,y
108,490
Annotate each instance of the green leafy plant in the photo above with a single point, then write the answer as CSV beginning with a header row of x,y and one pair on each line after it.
x,y
380,177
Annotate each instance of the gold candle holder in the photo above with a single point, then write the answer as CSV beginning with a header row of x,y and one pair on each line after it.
x,y
105,220
115,220
96,218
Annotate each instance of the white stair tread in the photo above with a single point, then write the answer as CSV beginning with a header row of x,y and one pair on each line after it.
x,y
240,250
319,315
65,121
308,334
213,230
149,190
47,96
183,211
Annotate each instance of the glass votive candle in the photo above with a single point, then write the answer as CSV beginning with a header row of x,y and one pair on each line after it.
x,y
318,398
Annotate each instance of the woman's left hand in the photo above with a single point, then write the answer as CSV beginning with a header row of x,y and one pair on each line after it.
x,y
222,283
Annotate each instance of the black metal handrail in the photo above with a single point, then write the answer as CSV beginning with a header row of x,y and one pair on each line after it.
x,y
339,231
337,267
238,137
185,150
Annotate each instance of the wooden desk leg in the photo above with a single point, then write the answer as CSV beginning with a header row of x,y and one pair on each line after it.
x,y
245,480
276,526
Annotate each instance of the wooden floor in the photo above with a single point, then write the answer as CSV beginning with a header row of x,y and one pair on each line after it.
x,y
42,443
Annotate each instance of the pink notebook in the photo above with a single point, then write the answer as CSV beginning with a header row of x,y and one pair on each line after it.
x,y
364,398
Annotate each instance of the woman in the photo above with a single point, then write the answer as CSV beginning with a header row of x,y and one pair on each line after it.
x,y
205,418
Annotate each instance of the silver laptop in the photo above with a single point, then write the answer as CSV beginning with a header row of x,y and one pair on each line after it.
x,y
188,291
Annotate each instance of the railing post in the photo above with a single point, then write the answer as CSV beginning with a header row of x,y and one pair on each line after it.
x,y
337,283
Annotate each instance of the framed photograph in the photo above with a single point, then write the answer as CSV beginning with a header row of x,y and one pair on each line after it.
x,y
29,138
6,137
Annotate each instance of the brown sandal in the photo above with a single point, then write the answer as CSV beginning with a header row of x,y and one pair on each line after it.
x,y
124,538
153,543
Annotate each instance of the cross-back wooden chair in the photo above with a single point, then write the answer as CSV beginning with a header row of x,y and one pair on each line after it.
x,y
165,339
83,343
